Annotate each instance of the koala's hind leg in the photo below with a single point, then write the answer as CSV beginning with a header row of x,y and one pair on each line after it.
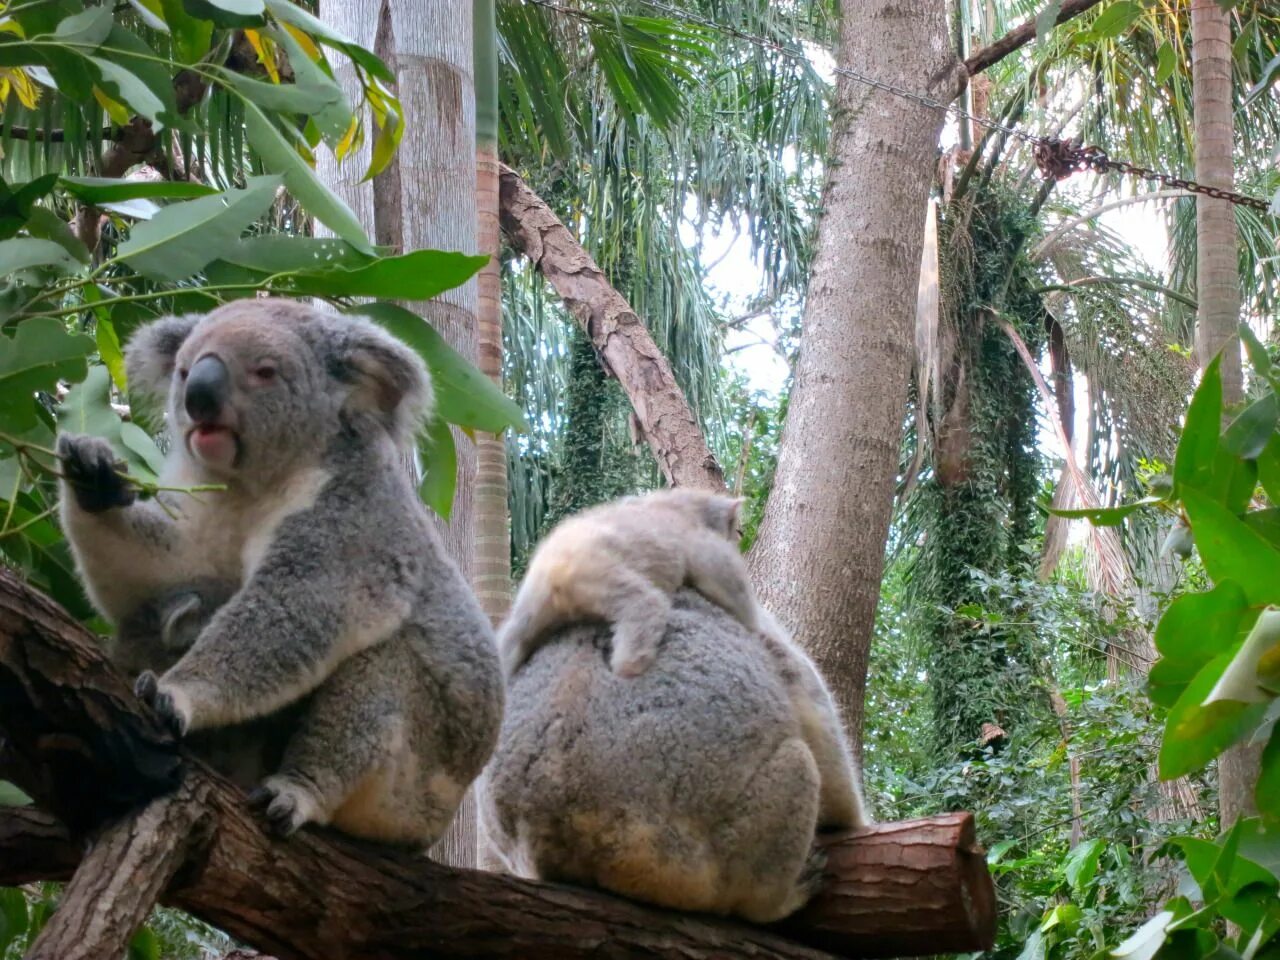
x,y
349,762
773,870
716,570
638,611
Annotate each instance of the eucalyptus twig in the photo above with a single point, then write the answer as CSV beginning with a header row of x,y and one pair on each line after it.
x,y
8,531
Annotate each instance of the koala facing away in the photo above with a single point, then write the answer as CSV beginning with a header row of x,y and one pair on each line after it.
x,y
319,583
622,562
699,785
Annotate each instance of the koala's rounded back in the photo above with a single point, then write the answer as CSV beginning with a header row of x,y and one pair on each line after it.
x,y
688,786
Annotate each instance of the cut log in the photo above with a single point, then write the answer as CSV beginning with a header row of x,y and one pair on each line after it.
x,y
619,335
68,720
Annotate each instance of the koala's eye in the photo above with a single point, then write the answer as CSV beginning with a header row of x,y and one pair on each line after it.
x,y
265,372
183,372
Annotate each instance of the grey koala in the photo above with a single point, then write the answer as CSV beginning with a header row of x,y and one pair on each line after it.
x,y
346,607
699,785
621,562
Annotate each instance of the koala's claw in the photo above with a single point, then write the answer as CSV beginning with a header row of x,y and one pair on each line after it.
x,y
147,689
285,805
91,467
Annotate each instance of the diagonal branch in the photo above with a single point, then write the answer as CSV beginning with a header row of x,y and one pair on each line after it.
x,y
620,336
1020,36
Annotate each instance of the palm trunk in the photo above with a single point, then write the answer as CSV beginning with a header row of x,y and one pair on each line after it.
x,y
426,198
820,553
1218,287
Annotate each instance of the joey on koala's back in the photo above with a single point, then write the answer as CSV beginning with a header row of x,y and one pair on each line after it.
x,y
699,785
622,562
313,590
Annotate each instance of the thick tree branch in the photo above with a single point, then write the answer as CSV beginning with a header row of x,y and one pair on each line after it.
x,y
69,720
1020,36
619,335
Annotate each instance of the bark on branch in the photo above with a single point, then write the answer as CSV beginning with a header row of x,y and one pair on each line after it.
x,y
162,824
619,335
1020,36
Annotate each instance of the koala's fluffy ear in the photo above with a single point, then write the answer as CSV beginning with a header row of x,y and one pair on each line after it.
x,y
388,380
149,358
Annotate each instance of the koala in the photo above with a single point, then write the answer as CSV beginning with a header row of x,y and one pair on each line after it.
x,y
698,786
621,562
347,621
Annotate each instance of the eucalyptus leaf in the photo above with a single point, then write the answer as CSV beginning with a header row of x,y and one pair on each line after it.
x,y
40,354
228,13
440,468
23,253
98,190
183,237
127,87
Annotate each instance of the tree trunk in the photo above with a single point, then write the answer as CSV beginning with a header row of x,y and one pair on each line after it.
x,y
426,198
819,557
1218,289
492,579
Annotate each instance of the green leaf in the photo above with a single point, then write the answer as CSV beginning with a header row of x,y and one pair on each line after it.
x,y
1232,551
23,253
1195,628
228,13
136,440
464,395
1166,61
440,468
1240,679
1269,469
1107,516
333,116
1115,19
420,275
13,915
1250,432
97,190
125,49
1047,19
40,354
277,253
85,29
1270,73
1258,357
11,796
1195,461
282,97
1081,864
295,16
151,13
183,237
44,224
191,35
127,87
278,156
111,354
1266,523
87,410
1195,733
1267,792
144,946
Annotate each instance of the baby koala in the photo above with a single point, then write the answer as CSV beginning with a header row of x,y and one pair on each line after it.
x,y
622,563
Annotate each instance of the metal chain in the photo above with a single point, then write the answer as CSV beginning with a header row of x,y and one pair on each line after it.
x,y
1056,158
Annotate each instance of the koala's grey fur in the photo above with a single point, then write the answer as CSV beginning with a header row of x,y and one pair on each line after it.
x,y
346,609
699,785
621,562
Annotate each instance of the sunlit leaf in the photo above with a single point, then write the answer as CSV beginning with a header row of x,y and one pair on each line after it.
x,y
1250,432
1195,733
85,30
1240,680
1194,629
1232,551
97,190
228,13
440,468
129,88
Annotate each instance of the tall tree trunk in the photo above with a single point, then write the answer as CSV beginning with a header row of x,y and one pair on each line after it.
x,y
426,198
492,579
820,553
1218,287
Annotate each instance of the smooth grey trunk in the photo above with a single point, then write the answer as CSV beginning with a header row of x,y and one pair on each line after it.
x,y
1218,290
426,198
819,557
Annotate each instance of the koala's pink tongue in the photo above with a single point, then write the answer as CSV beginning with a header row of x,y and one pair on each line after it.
x,y
213,444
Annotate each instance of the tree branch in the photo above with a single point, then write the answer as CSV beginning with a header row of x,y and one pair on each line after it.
x,y
1020,36
68,719
619,335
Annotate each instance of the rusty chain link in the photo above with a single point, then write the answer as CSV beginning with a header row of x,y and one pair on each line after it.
x,y
1056,158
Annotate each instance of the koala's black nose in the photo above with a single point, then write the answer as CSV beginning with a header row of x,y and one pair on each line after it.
x,y
208,389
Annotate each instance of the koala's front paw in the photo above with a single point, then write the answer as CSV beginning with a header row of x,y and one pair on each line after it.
x,y
91,468
169,703
285,804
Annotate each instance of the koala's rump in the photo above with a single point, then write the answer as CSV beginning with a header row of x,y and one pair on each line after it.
x,y
648,784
